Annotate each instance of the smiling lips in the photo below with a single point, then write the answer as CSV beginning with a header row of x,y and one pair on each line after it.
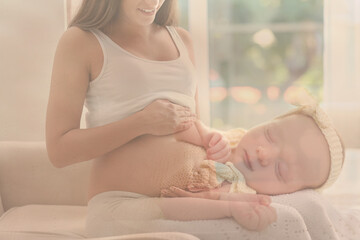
x,y
247,161
147,11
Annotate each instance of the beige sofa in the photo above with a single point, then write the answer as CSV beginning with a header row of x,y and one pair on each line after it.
x,y
39,201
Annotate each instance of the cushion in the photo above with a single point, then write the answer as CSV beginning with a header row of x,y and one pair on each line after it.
x,y
28,177
55,222
43,221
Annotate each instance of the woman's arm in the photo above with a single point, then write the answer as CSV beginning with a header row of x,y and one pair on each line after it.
x,y
66,142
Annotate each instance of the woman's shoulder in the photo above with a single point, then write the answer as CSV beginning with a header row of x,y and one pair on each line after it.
x,y
76,38
185,35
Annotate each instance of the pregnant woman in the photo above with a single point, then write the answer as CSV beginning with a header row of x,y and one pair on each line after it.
x,y
134,72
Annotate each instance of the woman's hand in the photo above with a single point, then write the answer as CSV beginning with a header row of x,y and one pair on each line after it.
x,y
217,147
163,117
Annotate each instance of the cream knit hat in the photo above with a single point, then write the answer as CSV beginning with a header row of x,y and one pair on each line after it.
x,y
308,105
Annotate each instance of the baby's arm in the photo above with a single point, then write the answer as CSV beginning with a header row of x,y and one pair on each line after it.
x,y
250,215
221,193
190,135
216,145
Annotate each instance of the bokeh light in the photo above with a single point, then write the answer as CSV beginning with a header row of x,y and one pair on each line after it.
x,y
246,94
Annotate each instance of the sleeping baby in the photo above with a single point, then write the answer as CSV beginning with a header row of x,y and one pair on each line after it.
x,y
295,151
298,150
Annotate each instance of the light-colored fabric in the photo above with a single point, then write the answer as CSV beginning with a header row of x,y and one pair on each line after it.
x,y
322,219
304,215
109,209
54,222
228,172
128,83
50,220
210,174
27,176
307,105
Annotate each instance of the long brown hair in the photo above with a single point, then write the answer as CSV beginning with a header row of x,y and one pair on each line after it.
x,y
97,14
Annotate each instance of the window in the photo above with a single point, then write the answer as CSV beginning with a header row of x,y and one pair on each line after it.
x,y
261,52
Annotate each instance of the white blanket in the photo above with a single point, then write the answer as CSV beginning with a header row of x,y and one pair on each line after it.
x,y
304,215
321,219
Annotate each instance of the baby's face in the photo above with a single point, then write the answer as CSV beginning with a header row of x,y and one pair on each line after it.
x,y
283,156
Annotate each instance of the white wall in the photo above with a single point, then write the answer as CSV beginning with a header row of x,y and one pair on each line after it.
x,y
29,32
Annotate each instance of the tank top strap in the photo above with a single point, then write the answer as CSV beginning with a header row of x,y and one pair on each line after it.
x,y
177,40
98,34
101,37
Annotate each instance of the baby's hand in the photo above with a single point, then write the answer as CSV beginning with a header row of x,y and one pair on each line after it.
x,y
252,216
218,147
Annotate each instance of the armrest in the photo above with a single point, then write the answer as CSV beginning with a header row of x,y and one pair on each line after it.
x,y
28,177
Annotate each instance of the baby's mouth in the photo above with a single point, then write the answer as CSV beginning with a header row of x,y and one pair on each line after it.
x,y
247,161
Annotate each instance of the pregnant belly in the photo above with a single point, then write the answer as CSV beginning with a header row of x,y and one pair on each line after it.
x,y
145,165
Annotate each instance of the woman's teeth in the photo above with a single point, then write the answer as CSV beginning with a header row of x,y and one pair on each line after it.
x,y
147,10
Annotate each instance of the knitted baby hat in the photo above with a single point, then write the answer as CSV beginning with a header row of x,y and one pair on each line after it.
x,y
307,105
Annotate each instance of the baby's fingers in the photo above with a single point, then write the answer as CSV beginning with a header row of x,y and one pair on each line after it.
x,y
266,214
218,146
215,139
220,156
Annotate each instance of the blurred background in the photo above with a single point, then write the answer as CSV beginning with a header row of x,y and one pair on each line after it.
x,y
260,53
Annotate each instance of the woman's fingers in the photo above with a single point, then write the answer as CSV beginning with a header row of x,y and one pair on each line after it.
x,y
183,126
163,117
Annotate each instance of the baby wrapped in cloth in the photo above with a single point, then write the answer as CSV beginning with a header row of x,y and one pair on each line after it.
x,y
203,175
207,174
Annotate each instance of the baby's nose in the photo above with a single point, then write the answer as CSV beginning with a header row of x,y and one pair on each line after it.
x,y
263,156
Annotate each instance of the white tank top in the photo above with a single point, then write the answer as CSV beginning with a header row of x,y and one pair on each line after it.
x,y
128,83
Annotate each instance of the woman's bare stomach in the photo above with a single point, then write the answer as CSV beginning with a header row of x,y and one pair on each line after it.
x,y
145,166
